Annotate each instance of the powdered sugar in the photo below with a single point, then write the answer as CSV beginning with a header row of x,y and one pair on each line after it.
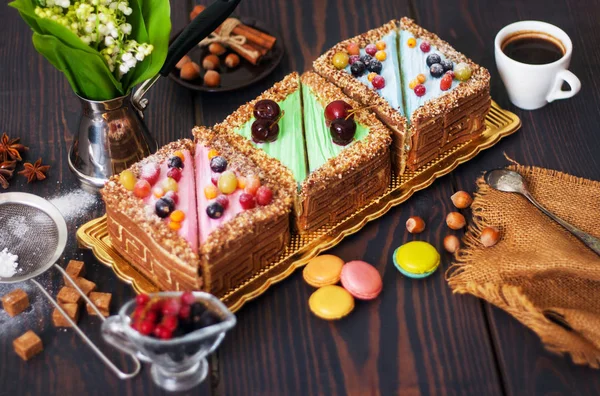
x,y
8,263
17,226
74,204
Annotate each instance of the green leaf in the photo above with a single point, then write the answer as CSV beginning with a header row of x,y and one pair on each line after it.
x,y
156,17
87,72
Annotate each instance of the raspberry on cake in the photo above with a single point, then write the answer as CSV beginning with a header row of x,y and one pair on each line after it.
x,y
166,222
431,96
339,164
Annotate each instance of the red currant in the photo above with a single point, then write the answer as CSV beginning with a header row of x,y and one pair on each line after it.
x,y
445,83
371,49
223,200
170,323
175,174
378,82
264,195
188,298
151,316
171,307
450,73
420,90
184,311
162,332
146,327
142,299
425,46
157,306
247,201
139,311
142,188
150,172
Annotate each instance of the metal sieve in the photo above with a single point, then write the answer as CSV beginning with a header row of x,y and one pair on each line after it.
x,y
34,229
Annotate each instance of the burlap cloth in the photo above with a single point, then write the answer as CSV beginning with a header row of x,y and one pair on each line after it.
x,y
538,272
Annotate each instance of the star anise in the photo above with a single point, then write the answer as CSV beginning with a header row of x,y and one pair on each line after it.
x,y
35,171
10,149
6,171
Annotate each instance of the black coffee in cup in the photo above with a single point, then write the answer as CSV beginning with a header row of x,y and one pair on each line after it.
x,y
534,48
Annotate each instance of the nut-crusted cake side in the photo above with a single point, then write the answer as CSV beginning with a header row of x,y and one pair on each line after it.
x,y
351,179
278,92
144,239
253,239
453,118
363,94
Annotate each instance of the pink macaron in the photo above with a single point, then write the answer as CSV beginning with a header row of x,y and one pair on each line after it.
x,y
361,279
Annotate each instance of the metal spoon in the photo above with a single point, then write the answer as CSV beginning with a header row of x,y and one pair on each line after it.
x,y
510,181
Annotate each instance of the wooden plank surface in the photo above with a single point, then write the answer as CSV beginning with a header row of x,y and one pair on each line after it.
x,y
417,338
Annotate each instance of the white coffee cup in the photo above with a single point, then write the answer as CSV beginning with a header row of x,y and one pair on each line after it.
x,y
533,86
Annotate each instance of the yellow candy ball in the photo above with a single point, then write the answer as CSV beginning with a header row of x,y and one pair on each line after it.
x,y
381,45
127,179
177,216
211,191
174,225
371,76
340,60
212,153
421,78
412,43
170,184
413,84
179,154
227,182
380,56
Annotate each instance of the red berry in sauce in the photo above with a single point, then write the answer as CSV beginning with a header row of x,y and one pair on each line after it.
x,y
150,172
188,298
175,174
223,200
445,83
264,195
171,307
151,316
170,322
184,311
162,332
247,201
425,46
142,299
142,189
371,49
146,327
420,90
378,82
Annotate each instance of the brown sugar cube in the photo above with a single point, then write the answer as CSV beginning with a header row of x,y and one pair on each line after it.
x,y
59,320
100,300
75,269
68,295
85,285
28,345
15,302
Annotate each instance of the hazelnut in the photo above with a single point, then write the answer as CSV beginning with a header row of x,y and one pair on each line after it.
x,y
212,78
183,61
415,224
455,220
211,62
232,60
451,243
490,236
216,49
190,71
461,199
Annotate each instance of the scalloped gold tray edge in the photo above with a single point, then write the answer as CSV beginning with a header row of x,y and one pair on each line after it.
x,y
499,124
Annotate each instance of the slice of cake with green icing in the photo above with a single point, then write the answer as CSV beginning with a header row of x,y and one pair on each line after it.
x,y
348,155
279,135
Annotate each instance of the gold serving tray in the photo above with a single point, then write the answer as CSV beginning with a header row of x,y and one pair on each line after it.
x,y
500,123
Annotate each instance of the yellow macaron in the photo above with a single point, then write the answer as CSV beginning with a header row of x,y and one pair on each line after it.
x,y
331,302
323,270
416,259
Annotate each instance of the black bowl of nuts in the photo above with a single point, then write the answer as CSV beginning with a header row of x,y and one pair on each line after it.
x,y
220,67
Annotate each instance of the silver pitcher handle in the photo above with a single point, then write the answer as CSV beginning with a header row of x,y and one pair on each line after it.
x,y
139,102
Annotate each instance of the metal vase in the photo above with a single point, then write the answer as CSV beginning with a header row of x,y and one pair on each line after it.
x,y
111,137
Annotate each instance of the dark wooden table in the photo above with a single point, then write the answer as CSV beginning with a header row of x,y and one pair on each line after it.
x,y
417,338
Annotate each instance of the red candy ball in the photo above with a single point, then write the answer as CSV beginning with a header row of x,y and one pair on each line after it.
x,y
264,195
445,83
247,201
371,49
174,173
378,82
142,188
420,90
223,200
173,195
425,47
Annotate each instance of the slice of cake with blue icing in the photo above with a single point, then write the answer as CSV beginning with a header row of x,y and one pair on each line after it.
x,y
371,59
339,164
446,95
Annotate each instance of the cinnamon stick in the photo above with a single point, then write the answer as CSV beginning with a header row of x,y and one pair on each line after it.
x,y
254,36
